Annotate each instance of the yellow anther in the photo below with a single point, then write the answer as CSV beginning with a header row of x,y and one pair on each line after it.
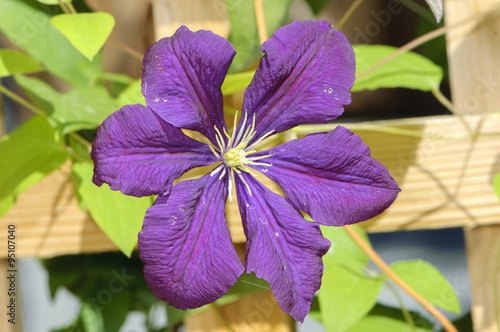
x,y
235,157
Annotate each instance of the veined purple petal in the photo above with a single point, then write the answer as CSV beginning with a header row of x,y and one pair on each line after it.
x,y
182,77
186,245
304,77
332,177
138,153
282,247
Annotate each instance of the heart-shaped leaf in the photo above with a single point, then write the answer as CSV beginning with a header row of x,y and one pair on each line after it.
x,y
118,215
87,32
14,62
427,281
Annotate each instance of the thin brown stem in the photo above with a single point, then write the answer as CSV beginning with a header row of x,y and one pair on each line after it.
x,y
348,14
421,40
449,105
447,325
261,20
126,49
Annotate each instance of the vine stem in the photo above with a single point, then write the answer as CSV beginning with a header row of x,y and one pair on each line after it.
x,y
447,325
12,95
126,49
451,107
67,7
261,20
20,100
421,40
348,14
406,313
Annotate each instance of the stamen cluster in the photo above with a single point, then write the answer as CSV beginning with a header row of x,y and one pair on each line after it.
x,y
233,150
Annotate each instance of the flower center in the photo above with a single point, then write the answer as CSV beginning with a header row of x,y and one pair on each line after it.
x,y
235,158
234,152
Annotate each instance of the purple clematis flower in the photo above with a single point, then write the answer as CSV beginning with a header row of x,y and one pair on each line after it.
x,y
304,77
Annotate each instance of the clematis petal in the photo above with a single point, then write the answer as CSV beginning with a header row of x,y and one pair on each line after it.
x,y
138,153
182,77
186,246
332,177
282,247
304,77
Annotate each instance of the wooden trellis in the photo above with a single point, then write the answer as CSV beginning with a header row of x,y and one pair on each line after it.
x,y
446,175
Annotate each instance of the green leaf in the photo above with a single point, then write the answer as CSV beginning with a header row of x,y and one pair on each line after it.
x,y
89,319
317,5
118,215
236,82
426,280
383,324
244,34
14,62
315,312
84,108
40,92
86,31
80,108
131,95
246,284
344,251
346,292
53,2
408,70
346,296
27,155
27,24
115,312
496,185
397,314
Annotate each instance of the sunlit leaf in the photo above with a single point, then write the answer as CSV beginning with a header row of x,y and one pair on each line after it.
x,y
496,185
427,281
27,25
118,215
347,293
53,2
14,62
244,34
27,155
86,31
131,95
408,70
384,324
346,296
344,251
236,82
79,108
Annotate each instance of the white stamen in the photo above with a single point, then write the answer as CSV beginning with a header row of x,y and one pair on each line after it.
x,y
223,173
233,151
263,137
230,188
242,128
234,126
217,169
244,181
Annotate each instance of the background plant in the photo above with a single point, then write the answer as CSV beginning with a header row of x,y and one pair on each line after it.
x,y
63,40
